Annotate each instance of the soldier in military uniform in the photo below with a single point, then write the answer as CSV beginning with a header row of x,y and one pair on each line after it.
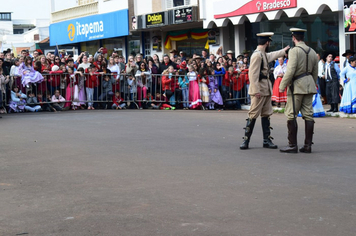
x,y
301,76
261,90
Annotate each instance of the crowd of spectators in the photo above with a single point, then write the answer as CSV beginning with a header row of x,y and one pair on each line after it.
x,y
36,82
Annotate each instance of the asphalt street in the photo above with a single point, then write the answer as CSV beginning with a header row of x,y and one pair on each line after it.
x,y
84,173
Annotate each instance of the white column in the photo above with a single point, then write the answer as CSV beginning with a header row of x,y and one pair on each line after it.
x,y
342,38
239,39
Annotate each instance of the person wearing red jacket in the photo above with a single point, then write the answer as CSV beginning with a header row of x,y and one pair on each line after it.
x,y
54,79
118,102
244,75
168,83
92,82
227,82
238,83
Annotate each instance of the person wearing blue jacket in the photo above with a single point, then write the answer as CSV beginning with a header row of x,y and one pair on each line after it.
x,y
183,82
219,73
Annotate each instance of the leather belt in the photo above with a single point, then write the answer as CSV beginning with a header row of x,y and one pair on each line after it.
x,y
301,76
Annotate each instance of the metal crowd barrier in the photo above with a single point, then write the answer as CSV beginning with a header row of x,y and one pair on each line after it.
x,y
136,91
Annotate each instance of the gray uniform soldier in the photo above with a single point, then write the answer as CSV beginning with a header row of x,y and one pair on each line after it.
x,y
301,74
261,89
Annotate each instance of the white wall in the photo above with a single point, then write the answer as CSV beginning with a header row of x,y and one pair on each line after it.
x,y
25,9
62,4
112,5
143,7
6,28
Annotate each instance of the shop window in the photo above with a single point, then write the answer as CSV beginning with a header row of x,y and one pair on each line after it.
x,y
134,43
114,44
322,31
18,31
5,16
147,44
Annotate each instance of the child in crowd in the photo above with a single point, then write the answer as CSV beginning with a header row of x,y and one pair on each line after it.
x,y
28,73
92,82
64,78
152,102
237,86
3,80
160,102
244,77
32,103
58,101
203,85
143,76
107,92
184,85
132,86
49,99
219,72
16,76
118,102
215,96
18,102
227,82
71,81
55,79
80,78
194,94
43,102
168,83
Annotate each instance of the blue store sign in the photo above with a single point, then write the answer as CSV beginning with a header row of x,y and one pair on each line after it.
x,y
108,25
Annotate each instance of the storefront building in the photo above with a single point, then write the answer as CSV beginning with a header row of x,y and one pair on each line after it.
x,y
169,25
89,33
239,21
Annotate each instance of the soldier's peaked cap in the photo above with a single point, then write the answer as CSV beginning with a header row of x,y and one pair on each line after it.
x,y
297,31
265,35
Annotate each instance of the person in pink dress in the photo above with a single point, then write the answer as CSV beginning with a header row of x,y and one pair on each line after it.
x,y
194,93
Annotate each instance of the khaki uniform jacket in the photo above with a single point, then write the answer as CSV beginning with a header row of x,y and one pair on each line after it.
x,y
264,86
296,66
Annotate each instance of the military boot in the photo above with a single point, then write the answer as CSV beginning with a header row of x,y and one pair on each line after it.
x,y
267,139
309,131
248,132
292,137
331,108
336,109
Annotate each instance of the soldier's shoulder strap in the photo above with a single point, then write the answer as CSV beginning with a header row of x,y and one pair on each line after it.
x,y
306,55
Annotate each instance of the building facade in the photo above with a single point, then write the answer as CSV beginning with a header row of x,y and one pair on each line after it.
x,y
90,25
166,25
239,21
19,34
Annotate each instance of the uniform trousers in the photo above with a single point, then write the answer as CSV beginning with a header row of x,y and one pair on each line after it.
x,y
260,106
303,103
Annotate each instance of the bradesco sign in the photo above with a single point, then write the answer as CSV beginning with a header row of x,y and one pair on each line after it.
x,y
258,6
109,25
